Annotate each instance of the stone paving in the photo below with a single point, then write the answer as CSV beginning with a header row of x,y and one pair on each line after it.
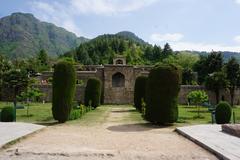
x,y
212,138
14,130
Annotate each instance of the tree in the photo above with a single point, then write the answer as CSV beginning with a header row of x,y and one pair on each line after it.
x,y
233,75
64,86
167,51
163,86
43,57
16,80
187,77
215,82
31,94
207,65
197,98
5,66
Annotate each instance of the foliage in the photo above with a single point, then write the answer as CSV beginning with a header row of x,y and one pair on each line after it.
x,y
215,82
7,114
188,77
139,92
31,94
197,98
5,66
93,93
79,112
15,80
163,86
233,75
64,85
223,113
208,64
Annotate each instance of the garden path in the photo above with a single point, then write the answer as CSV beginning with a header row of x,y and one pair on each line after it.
x,y
110,132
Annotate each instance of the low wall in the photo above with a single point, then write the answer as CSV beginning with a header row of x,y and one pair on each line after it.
x,y
185,89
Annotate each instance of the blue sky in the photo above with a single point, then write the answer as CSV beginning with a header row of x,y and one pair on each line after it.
x,y
202,25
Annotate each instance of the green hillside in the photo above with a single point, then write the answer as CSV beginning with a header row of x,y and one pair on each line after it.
x,y
22,35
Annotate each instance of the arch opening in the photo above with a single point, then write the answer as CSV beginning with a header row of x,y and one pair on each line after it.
x,y
118,80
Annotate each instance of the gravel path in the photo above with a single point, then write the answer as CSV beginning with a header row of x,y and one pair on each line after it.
x,y
116,138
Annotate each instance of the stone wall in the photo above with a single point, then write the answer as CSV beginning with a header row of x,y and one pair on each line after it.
x,y
122,96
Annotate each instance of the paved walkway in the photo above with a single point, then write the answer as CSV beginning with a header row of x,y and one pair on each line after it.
x,y
12,131
212,138
107,133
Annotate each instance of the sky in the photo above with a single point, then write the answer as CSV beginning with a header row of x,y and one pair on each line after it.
x,y
202,25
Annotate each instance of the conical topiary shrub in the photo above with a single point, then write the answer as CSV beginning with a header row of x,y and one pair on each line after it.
x,y
163,86
93,93
64,86
223,113
140,92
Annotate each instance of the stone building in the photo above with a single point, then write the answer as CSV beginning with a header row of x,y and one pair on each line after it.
x,y
118,81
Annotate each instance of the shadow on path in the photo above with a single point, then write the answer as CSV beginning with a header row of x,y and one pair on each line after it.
x,y
138,127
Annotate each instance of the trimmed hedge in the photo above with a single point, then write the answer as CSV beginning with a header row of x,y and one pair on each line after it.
x,y
7,114
93,93
223,113
162,90
78,112
140,92
64,86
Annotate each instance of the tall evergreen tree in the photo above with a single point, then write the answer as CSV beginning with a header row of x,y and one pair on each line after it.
x,y
167,50
232,70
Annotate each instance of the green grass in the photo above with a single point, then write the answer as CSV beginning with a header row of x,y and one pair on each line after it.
x,y
37,113
188,115
42,114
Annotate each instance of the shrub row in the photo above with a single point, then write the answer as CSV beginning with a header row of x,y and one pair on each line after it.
x,y
64,86
78,112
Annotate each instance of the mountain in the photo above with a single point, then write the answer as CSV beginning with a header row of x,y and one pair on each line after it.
x,y
131,36
22,35
103,48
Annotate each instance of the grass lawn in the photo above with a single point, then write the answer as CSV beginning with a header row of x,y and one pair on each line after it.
x,y
42,114
37,113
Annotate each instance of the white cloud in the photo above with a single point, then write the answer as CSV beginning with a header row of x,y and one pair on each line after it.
x,y
109,7
177,44
237,39
168,37
64,15
56,13
203,47
237,1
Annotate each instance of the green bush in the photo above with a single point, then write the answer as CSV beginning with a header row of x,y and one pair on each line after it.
x,y
77,113
162,90
139,92
223,113
93,93
64,85
7,114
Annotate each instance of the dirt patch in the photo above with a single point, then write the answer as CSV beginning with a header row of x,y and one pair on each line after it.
x,y
114,139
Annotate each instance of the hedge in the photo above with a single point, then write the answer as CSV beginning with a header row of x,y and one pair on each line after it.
x,y
162,90
7,114
223,113
64,86
140,92
93,93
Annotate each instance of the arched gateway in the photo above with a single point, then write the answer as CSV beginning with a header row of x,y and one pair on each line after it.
x,y
117,80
